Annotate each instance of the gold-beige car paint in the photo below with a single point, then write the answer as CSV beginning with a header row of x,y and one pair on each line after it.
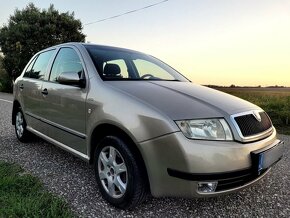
x,y
146,111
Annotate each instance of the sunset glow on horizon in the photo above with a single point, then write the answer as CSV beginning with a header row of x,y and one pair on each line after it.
x,y
245,43
250,52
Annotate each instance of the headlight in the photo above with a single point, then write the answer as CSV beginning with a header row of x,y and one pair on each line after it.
x,y
208,129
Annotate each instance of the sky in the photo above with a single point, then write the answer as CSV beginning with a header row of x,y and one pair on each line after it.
x,y
223,42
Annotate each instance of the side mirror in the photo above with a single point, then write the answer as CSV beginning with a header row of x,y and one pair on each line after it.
x,y
70,78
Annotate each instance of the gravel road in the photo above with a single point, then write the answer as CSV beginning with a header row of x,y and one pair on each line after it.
x,y
73,179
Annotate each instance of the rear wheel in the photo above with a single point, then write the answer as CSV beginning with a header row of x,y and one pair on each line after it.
x,y
119,176
20,127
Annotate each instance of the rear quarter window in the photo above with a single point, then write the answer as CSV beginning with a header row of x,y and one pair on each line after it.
x,y
28,69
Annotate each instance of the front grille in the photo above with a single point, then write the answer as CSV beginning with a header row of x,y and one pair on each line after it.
x,y
238,179
250,126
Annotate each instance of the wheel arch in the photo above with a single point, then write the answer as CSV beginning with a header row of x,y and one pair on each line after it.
x,y
103,130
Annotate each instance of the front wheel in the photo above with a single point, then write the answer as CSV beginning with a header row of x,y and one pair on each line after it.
x,y
119,176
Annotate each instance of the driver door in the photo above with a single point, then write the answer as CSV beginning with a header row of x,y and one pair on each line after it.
x,y
64,106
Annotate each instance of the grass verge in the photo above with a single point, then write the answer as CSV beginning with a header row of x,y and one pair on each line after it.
x,y
22,195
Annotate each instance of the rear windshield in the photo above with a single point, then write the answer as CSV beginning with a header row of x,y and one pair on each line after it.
x,y
117,64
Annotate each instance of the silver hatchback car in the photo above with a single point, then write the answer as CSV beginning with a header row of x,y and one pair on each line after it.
x,y
144,127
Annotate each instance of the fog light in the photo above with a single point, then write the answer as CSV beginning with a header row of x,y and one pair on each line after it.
x,y
206,187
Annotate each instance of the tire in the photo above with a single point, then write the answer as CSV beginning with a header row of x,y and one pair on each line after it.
x,y
20,127
119,176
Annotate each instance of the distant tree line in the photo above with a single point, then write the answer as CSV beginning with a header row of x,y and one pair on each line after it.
x,y
234,86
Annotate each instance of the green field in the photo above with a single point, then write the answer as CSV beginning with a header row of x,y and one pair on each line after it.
x,y
22,195
275,101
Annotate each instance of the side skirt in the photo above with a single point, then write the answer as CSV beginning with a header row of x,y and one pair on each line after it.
x,y
58,144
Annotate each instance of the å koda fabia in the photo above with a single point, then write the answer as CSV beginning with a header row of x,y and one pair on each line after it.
x,y
144,126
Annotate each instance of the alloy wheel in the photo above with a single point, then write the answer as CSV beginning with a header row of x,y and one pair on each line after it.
x,y
112,172
19,124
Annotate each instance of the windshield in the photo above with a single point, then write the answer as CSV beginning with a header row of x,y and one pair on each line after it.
x,y
119,64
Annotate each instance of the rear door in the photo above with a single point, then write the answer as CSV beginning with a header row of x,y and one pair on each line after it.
x,y
64,106
30,88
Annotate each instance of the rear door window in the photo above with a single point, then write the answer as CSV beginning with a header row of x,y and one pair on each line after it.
x,y
39,68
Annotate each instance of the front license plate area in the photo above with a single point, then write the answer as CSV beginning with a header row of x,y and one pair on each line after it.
x,y
262,161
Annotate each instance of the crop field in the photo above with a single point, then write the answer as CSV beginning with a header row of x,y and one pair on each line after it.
x,y
275,101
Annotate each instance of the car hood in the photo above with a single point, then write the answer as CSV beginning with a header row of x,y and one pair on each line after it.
x,y
184,100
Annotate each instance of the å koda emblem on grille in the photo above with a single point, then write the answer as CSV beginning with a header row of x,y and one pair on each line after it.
x,y
257,116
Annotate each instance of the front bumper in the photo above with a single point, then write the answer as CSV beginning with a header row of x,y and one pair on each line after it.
x,y
176,164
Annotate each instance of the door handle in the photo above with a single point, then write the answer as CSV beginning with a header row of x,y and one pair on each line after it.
x,y
44,92
21,86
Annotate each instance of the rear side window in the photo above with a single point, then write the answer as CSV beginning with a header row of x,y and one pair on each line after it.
x,y
38,70
67,60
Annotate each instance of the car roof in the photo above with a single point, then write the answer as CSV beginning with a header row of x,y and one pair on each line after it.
x,y
87,45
